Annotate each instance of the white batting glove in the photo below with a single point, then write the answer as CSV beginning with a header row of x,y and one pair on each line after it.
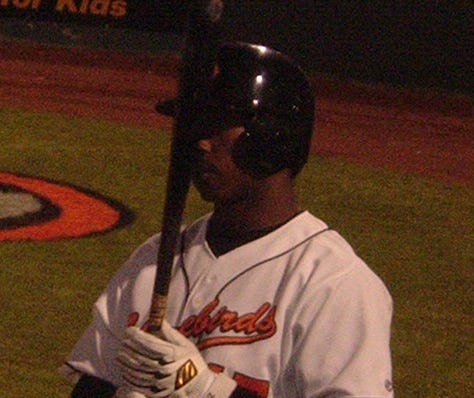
x,y
168,367
124,392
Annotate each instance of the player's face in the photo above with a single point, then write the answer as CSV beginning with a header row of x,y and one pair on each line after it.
x,y
216,176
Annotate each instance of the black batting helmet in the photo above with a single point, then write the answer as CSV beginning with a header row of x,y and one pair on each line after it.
x,y
264,91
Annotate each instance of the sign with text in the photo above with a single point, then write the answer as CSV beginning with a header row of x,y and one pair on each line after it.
x,y
145,14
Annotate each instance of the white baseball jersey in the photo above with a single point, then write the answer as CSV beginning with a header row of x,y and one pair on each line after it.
x,y
295,313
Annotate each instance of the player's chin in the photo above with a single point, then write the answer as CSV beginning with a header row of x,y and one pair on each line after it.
x,y
214,193
208,192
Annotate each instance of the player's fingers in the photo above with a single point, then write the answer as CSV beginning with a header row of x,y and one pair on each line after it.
x,y
136,361
147,379
138,379
148,345
158,384
173,335
148,391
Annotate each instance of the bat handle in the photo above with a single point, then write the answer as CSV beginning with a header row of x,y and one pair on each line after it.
x,y
157,313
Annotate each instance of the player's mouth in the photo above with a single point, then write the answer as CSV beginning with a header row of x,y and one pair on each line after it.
x,y
207,181
205,172
204,167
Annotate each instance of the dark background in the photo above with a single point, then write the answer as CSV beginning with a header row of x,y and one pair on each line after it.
x,y
426,44
404,43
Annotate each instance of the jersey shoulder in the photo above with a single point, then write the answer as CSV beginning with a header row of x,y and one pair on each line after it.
x,y
327,258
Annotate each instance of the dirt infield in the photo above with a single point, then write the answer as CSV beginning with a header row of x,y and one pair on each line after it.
x,y
429,133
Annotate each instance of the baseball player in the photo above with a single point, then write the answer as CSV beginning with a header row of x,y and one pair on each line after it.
x,y
265,299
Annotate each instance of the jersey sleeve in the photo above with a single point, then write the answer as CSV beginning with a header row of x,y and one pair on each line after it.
x,y
96,351
341,346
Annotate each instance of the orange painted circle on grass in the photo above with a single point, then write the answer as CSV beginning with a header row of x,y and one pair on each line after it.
x,y
65,211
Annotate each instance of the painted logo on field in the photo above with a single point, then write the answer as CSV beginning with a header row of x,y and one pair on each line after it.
x,y
34,208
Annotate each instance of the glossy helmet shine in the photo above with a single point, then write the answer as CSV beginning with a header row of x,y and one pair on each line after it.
x,y
264,91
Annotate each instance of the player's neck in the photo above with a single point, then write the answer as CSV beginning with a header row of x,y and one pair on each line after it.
x,y
232,226
273,205
221,240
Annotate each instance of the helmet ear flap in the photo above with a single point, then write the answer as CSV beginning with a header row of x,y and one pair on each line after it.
x,y
261,150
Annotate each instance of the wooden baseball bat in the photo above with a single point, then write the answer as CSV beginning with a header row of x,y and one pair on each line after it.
x,y
197,64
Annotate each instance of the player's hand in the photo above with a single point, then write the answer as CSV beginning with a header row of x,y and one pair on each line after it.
x,y
168,367
124,392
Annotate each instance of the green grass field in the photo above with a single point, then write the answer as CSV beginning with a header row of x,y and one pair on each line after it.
x,y
416,233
